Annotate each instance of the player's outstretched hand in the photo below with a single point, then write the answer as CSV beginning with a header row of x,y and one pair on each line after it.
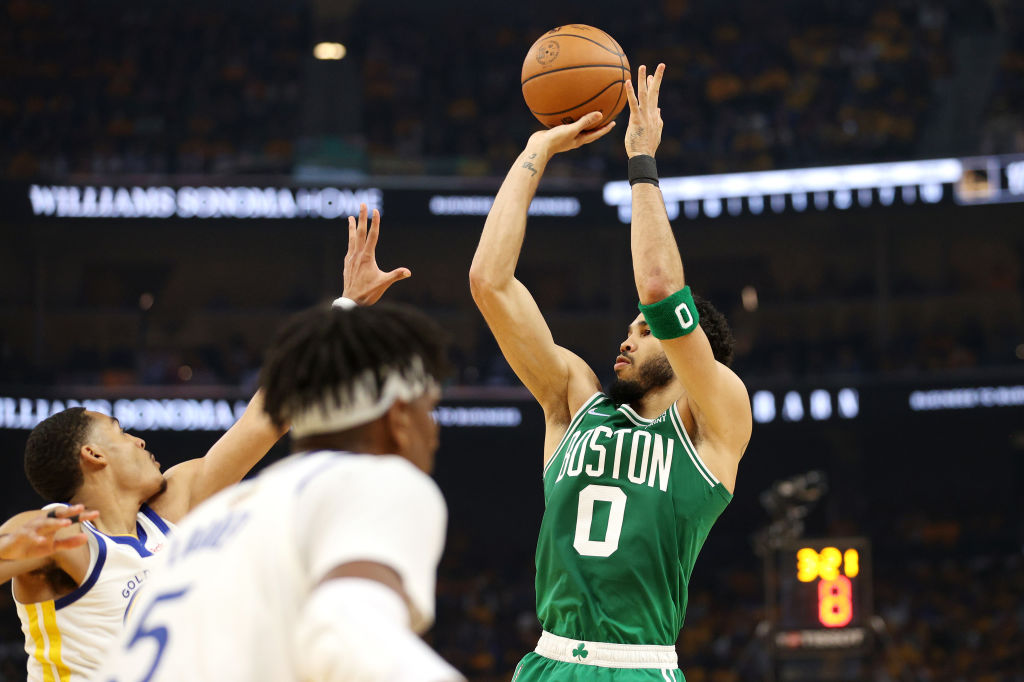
x,y
365,282
38,537
643,134
571,135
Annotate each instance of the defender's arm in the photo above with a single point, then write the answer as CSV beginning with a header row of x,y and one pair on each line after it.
x,y
248,440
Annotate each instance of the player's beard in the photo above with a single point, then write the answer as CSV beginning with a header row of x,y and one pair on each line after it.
x,y
654,373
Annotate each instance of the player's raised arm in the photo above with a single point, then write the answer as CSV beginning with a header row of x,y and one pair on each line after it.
x,y
507,306
717,393
249,439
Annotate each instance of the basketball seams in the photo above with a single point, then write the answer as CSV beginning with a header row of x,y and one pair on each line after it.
x,y
587,101
577,35
578,66
622,56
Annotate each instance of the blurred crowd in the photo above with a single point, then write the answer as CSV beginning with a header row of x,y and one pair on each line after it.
x,y
104,88
219,87
1004,126
750,85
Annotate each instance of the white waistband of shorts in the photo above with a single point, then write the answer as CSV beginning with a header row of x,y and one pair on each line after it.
x,y
605,654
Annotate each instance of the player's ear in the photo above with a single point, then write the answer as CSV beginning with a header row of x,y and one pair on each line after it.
x,y
398,419
91,457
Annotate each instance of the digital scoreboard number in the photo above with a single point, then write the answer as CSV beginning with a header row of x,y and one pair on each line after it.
x,y
823,596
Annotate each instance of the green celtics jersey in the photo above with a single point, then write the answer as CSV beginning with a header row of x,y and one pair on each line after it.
x,y
628,505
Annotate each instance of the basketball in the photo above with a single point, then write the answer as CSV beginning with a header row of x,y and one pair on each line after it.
x,y
573,70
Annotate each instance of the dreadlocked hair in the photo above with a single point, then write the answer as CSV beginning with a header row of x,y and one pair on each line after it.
x,y
716,328
51,454
324,350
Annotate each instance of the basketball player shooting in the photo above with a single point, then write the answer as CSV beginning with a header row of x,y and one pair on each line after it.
x,y
635,475
74,571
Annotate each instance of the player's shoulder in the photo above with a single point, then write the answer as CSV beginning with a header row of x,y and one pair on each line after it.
x,y
384,476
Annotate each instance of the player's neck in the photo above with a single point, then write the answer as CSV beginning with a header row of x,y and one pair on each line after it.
x,y
118,509
657,400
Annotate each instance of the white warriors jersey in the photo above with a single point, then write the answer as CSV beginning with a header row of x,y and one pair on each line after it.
x,y
68,638
226,597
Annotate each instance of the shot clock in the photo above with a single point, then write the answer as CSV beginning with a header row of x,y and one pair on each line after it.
x,y
823,596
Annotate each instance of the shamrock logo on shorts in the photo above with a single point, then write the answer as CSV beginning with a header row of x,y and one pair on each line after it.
x,y
580,652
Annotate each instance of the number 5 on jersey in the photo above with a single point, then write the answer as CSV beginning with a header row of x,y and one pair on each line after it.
x,y
146,629
585,519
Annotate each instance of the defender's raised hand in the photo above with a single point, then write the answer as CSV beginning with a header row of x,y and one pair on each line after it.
x,y
365,282
643,134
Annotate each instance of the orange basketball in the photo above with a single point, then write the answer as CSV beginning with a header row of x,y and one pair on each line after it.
x,y
573,70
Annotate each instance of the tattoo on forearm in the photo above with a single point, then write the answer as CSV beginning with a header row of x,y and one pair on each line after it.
x,y
528,164
636,135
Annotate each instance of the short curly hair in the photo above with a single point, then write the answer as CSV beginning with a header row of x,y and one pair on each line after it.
x,y
326,349
51,454
716,328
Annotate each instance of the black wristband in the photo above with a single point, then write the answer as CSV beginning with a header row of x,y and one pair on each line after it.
x,y
642,168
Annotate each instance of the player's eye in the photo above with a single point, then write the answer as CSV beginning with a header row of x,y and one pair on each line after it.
x,y
645,332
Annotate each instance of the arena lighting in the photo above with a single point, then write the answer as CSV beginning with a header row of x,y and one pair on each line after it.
x,y
186,414
797,406
973,180
63,201
330,51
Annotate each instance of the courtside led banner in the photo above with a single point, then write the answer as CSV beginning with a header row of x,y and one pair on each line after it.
x,y
968,181
192,414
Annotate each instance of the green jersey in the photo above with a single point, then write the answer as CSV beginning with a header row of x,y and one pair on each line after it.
x,y
628,504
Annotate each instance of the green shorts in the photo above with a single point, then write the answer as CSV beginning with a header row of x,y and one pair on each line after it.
x,y
536,668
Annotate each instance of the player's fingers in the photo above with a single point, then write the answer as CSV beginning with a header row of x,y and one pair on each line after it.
x,y
592,135
398,274
352,241
634,107
66,512
655,89
374,229
50,526
71,542
361,224
587,121
641,84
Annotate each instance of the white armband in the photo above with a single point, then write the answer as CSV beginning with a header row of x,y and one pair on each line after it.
x,y
344,303
357,630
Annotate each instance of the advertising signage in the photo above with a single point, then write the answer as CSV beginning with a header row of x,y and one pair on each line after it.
x,y
970,181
